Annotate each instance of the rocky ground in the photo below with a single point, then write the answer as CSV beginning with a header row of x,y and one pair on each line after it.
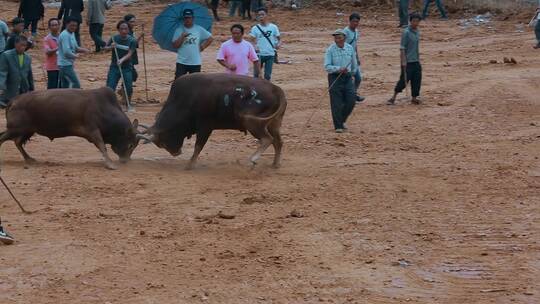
x,y
437,203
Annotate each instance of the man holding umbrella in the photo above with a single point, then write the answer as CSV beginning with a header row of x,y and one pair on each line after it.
x,y
190,39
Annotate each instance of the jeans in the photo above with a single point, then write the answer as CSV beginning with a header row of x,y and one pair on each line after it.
x,y
68,77
182,69
96,32
33,23
439,4
53,80
114,77
414,75
342,98
233,6
403,9
537,31
267,62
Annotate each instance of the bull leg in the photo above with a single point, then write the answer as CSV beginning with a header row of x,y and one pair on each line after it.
x,y
202,138
278,145
19,143
97,140
265,140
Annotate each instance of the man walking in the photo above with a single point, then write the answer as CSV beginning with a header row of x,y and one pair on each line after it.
x,y
31,11
351,38
72,10
15,72
68,51
411,70
4,32
235,54
96,20
268,41
340,64
123,46
403,11
440,6
50,47
18,30
190,39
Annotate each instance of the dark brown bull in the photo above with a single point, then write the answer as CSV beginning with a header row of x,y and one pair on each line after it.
x,y
91,114
200,103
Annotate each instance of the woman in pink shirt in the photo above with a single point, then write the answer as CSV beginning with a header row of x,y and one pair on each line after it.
x,y
236,54
50,46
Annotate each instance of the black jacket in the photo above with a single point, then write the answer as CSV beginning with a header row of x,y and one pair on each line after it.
x,y
71,8
31,9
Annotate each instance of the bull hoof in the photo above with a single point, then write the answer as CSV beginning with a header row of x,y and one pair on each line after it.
x,y
111,166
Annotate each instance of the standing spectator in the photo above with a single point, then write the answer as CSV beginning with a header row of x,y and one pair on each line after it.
x,y
537,27
403,10
190,39
235,5
235,54
268,41
18,30
132,21
440,6
73,9
4,32
31,11
15,72
50,47
411,70
340,64
68,51
351,37
246,9
123,45
96,20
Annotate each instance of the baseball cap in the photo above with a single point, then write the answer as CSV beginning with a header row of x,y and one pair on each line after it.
x,y
339,32
188,13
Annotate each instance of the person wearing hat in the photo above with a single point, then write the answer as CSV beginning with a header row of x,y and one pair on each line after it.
x,y
340,64
190,39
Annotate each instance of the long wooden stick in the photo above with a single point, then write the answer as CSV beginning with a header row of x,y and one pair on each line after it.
x,y
128,103
13,196
144,63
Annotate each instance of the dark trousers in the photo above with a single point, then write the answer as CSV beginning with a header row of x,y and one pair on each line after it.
x,y
114,77
537,32
182,69
342,98
403,9
135,74
53,80
96,32
33,23
246,8
267,63
414,75
439,4
214,6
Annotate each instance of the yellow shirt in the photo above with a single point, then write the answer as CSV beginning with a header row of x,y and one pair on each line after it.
x,y
21,60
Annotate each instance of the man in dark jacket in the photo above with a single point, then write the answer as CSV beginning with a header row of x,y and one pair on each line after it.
x,y
31,11
15,72
72,8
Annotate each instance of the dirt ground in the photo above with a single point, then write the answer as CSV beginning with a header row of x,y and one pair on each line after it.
x,y
437,203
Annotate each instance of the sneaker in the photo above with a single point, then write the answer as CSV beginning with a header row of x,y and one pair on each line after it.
x,y
5,237
391,101
360,99
340,130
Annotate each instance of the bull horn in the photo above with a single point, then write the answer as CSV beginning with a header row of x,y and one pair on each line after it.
x,y
147,138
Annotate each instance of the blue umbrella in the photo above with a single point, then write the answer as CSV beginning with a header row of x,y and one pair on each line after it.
x,y
171,19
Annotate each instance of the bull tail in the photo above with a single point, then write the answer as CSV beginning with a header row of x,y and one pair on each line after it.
x,y
281,109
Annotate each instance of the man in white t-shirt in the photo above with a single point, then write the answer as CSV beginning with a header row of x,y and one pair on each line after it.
x,y
267,39
190,40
